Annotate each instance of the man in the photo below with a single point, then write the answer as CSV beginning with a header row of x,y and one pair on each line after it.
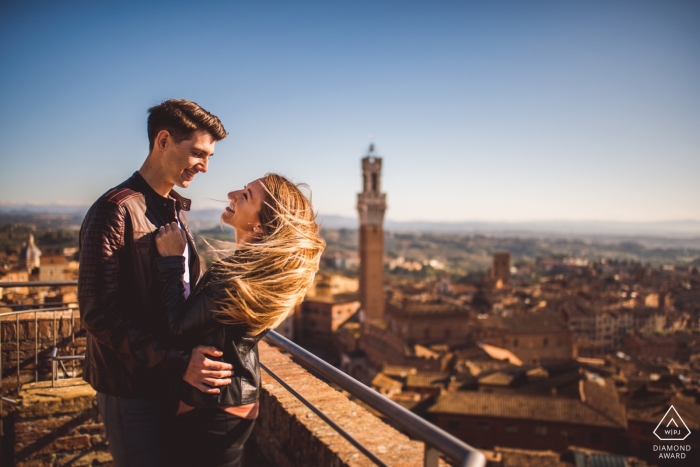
x,y
130,360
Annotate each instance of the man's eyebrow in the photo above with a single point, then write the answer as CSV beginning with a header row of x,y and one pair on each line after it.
x,y
201,152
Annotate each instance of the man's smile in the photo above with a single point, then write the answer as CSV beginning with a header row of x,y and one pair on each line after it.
x,y
188,174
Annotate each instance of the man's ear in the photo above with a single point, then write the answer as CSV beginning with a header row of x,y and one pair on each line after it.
x,y
162,139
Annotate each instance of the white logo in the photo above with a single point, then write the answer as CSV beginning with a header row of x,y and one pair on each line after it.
x,y
672,427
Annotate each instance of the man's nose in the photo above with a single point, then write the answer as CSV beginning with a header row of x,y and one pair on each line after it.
x,y
203,165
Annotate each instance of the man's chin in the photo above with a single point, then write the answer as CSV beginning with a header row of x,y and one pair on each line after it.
x,y
183,183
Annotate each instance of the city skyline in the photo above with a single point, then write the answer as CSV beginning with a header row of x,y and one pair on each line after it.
x,y
481,112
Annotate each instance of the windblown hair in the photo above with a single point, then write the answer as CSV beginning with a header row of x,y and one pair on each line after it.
x,y
265,280
181,118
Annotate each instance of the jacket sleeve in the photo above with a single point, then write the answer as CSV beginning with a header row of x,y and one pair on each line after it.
x,y
194,316
101,245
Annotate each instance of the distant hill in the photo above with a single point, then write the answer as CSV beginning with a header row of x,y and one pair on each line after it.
x,y
669,234
675,234
54,209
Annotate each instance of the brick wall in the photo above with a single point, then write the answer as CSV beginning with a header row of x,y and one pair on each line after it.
x,y
292,436
59,426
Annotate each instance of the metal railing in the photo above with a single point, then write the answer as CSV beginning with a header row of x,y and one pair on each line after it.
x,y
53,312
435,439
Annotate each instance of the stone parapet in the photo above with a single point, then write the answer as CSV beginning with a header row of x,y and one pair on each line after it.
x,y
59,426
292,436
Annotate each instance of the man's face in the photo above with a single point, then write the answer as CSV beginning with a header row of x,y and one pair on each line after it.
x,y
183,160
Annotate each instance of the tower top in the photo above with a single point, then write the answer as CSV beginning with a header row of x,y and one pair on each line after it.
x,y
371,203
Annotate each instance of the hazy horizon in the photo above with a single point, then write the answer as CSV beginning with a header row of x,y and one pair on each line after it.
x,y
75,208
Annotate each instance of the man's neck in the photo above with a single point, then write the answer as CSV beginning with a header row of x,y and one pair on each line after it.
x,y
154,177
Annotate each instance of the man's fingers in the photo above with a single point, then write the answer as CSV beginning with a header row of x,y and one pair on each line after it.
x,y
208,350
216,382
217,374
206,389
216,366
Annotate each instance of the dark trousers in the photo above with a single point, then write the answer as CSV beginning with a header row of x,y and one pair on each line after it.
x,y
136,429
208,438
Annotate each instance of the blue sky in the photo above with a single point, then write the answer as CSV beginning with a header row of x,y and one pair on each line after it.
x,y
498,110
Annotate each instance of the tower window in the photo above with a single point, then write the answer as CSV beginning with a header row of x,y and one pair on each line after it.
x,y
375,182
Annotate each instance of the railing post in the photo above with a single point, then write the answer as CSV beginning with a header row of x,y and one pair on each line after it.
x,y
17,347
72,341
36,346
54,363
430,456
2,432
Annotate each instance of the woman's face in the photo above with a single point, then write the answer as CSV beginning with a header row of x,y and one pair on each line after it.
x,y
243,211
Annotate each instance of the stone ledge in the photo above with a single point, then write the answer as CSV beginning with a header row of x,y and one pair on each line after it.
x,y
293,436
68,397
57,426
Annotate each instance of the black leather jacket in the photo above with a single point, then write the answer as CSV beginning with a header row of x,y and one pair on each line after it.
x,y
193,322
129,351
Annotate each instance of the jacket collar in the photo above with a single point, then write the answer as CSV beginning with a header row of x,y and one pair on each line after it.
x,y
180,201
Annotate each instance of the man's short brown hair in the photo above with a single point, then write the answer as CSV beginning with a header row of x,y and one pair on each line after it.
x,y
181,118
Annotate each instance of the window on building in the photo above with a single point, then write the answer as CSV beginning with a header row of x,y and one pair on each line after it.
x,y
482,426
540,430
512,429
595,437
515,342
453,425
545,342
567,435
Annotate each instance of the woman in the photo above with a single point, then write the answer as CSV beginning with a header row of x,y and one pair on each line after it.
x,y
240,298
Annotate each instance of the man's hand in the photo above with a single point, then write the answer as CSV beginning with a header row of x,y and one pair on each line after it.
x,y
204,373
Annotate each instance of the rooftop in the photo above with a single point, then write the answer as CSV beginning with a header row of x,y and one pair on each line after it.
x,y
516,406
532,323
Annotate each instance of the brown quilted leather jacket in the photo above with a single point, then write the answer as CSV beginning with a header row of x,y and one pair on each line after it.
x,y
129,350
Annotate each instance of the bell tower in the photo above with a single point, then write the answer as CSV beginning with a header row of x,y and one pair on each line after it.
x,y
371,205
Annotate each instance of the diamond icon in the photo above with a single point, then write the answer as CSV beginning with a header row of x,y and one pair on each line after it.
x,y
672,427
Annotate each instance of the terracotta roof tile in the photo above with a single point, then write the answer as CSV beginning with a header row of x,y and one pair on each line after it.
x,y
509,406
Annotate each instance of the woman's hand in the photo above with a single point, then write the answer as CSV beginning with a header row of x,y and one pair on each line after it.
x,y
171,240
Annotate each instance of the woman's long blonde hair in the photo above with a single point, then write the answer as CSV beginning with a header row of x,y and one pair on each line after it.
x,y
265,280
